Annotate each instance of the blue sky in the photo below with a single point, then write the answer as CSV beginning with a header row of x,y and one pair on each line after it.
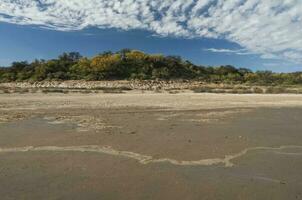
x,y
205,32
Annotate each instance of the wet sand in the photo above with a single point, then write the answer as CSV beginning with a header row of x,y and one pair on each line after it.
x,y
150,146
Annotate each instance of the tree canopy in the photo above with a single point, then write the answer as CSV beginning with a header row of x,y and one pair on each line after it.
x,y
134,64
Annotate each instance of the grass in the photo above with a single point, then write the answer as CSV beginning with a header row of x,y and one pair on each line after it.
x,y
5,91
22,90
46,91
113,90
258,90
174,91
248,90
204,89
122,88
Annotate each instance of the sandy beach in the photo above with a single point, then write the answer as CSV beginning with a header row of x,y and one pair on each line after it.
x,y
150,145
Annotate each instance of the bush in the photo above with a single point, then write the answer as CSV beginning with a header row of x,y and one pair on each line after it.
x,y
133,64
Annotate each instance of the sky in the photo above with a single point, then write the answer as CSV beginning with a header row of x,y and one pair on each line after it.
x,y
256,34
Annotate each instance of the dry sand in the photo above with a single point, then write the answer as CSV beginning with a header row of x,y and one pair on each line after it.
x,y
181,101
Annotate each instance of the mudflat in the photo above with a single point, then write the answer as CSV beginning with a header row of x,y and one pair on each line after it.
x,y
150,146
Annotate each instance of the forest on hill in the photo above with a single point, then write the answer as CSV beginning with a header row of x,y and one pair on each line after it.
x,y
132,64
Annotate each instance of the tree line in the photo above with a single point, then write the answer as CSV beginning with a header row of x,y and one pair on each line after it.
x,y
132,64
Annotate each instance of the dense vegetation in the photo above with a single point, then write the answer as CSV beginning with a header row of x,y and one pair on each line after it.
x,y
132,64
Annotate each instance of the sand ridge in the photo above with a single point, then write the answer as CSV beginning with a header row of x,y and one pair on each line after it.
x,y
146,159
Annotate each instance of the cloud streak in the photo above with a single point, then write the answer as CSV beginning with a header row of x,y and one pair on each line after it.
x,y
270,28
229,51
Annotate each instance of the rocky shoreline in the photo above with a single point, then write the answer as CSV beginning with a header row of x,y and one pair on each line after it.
x,y
127,85
147,85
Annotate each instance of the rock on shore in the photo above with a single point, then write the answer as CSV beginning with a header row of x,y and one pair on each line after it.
x,y
131,85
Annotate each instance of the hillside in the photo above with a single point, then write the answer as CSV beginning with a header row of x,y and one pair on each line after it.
x,y
136,65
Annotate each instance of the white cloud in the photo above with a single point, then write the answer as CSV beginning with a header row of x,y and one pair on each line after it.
x,y
229,51
293,55
272,28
